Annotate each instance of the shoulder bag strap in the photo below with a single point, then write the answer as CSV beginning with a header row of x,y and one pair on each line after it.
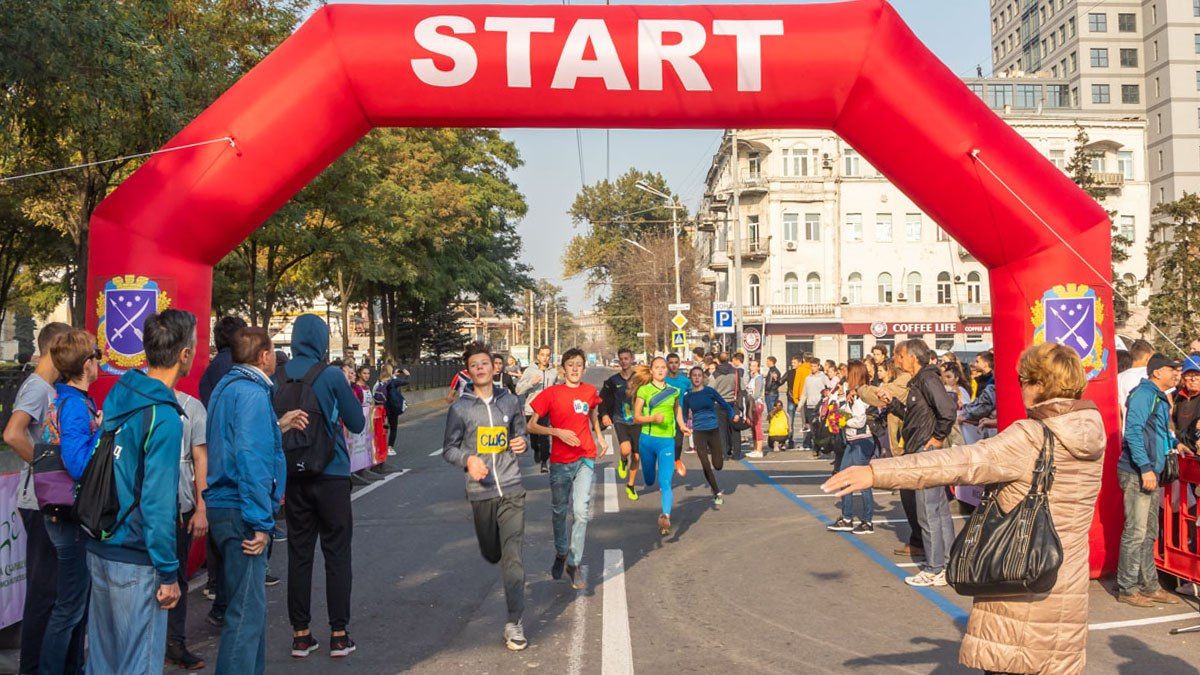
x,y
1043,470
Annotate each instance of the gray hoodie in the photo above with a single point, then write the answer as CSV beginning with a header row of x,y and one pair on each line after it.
x,y
467,428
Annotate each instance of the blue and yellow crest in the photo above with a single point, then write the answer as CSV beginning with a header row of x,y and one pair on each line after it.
x,y
121,311
1073,315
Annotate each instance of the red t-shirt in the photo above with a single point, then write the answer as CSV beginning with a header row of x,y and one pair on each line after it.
x,y
568,408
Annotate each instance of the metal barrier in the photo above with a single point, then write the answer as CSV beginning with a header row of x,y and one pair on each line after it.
x,y
431,374
10,382
1176,551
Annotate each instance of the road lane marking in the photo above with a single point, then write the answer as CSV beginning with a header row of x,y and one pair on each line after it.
x,y
885,521
372,486
435,453
801,475
611,503
617,652
1110,625
816,497
575,654
793,461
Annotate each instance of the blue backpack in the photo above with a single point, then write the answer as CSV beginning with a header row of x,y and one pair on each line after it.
x,y
394,398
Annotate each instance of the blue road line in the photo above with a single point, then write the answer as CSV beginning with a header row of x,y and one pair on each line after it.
x,y
956,613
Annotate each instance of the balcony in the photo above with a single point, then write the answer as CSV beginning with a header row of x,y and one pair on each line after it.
x,y
753,182
785,312
1109,180
964,254
753,249
973,310
708,277
719,261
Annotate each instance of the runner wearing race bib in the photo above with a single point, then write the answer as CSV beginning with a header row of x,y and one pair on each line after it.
x,y
656,407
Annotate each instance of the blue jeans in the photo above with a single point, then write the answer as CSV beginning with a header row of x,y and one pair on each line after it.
x,y
858,453
127,630
791,412
937,528
658,457
1136,571
70,606
244,636
571,486
769,400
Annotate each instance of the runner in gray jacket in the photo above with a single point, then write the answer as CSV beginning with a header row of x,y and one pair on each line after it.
x,y
485,431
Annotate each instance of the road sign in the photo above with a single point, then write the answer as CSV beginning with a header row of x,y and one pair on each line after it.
x,y
643,335
722,305
678,339
681,307
680,321
723,321
751,339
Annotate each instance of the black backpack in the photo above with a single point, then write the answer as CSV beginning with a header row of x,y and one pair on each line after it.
x,y
309,450
97,506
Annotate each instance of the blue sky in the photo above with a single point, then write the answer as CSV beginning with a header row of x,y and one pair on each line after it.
x,y
956,30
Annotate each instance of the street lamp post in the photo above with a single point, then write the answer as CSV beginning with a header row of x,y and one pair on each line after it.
x,y
674,230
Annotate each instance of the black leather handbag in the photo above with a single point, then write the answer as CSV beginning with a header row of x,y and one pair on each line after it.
x,y
1001,554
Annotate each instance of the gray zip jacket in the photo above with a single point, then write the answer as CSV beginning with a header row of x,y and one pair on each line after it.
x,y
472,426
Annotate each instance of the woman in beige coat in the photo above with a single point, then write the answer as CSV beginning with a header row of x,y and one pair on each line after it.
x,y
1042,633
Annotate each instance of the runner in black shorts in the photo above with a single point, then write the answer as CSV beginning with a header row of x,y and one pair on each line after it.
x,y
616,412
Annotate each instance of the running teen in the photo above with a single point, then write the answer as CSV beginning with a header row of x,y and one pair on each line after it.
x,y
571,409
699,406
538,377
680,381
485,431
656,405
616,412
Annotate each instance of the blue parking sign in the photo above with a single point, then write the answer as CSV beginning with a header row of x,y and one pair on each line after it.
x,y
723,320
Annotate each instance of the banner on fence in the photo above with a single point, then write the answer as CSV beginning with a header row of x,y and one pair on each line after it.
x,y
12,552
361,446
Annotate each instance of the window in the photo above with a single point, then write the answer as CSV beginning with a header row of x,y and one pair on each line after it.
x,y
791,227
755,291
885,288
853,162
1131,93
883,227
1154,48
1196,42
1129,58
1127,23
791,289
976,89
1101,93
752,227
1054,74
944,289
1161,161
974,288
1125,163
854,289
1074,61
1071,26
1056,95
785,157
1162,195
1059,158
812,287
1099,57
1002,95
1198,80
854,346
941,234
1097,164
1195,7
912,287
1029,95
1128,229
754,163
888,342
799,162
1098,22
912,227
854,227
812,227
943,341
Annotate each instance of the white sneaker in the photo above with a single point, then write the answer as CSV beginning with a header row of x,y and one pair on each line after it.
x,y
925,578
755,454
391,452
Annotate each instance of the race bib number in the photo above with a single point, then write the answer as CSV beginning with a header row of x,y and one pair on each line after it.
x,y
491,440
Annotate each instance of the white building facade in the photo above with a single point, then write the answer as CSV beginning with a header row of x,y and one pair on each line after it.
x,y
836,259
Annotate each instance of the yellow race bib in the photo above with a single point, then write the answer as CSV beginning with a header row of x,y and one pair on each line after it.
x,y
491,440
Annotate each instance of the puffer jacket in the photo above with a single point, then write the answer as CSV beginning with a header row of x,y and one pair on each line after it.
x,y
898,389
1035,633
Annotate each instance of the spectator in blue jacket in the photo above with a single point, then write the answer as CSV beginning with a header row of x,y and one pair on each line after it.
x,y
1147,440
246,479
135,573
320,507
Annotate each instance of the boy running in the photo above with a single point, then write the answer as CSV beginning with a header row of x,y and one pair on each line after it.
x,y
571,409
485,431
616,411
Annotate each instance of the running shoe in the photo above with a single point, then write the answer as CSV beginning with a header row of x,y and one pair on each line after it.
x,y
841,525
216,618
545,468
577,580
209,593
341,645
680,468
925,578
863,528
303,645
664,524
178,655
556,570
514,637
756,454
719,498
272,580
623,467
631,493
391,452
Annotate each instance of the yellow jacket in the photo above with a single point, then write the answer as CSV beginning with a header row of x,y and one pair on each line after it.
x,y
778,425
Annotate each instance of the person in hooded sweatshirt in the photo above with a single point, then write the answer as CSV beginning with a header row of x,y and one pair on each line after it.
x,y
135,572
320,507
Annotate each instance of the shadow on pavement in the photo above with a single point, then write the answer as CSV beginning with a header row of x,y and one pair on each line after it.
x,y
943,654
1140,658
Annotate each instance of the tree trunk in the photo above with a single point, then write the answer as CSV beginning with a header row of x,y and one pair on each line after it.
x,y
371,323
252,275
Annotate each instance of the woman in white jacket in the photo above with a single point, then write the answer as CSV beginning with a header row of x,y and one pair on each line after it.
x,y
860,447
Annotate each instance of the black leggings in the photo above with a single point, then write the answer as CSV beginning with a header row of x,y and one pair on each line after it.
x,y
711,452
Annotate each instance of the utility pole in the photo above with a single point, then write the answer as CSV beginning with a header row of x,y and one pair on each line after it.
x,y
737,240
556,351
530,310
675,231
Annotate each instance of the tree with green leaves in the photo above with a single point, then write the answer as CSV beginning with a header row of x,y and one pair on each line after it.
x,y
1174,255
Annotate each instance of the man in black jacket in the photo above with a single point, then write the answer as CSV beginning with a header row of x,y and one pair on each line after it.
x,y
928,415
222,363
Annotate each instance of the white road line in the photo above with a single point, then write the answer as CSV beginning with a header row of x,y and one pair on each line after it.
x,y
907,564
199,581
791,461
435,453
575,654
372,486
877,521
1110,625
617,654
817,497
611,503
802,475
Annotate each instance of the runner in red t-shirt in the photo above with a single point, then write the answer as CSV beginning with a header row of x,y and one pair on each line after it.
x,y
571,410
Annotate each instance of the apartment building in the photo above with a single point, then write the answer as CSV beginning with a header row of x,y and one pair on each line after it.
x,y
836,259
1135,57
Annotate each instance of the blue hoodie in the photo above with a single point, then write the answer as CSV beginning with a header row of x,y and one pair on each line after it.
x,y
78,431
1148,436
147,536
245,449
702,406
310,345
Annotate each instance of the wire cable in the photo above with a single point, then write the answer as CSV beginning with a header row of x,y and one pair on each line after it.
x,y
223,139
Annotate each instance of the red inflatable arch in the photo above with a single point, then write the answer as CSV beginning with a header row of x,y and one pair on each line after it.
x,y
851,67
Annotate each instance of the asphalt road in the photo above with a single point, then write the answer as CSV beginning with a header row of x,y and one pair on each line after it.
x,y
754,586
